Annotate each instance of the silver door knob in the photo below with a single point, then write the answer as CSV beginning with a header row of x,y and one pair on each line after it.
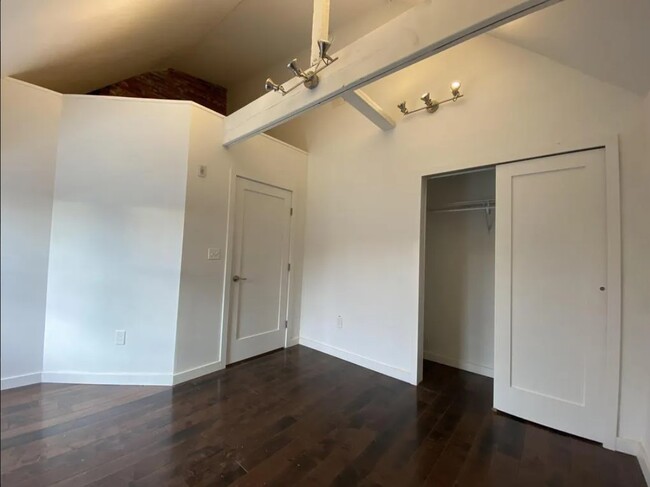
x,y
237,278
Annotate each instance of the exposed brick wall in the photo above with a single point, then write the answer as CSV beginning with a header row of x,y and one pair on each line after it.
x,y
170,84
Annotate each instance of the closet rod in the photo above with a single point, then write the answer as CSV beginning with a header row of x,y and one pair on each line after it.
x,y
466,206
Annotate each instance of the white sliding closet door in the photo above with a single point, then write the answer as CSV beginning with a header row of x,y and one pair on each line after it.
x,y
550,299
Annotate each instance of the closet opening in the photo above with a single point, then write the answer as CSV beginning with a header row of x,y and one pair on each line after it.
x,y
459,256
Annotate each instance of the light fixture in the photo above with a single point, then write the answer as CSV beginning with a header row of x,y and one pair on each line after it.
x,y
270,85
309,77
323,47
430,105
295,69
455,89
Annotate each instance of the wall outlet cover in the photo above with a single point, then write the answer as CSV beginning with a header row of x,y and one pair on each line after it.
x,y
120,337
339,322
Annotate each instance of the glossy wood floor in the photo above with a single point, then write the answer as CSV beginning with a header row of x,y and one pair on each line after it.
x,y
296,417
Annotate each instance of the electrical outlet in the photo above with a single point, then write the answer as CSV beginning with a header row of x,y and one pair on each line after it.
x,y
120,337
214,254
339,321
203,171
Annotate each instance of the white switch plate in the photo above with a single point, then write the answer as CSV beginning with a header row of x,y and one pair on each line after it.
x,y
214,254
203,171
120,337
339,322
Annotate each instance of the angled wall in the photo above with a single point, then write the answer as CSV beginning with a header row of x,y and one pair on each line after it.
x,y
117,234
30,134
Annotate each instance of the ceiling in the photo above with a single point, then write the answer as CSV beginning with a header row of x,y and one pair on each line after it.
x,y
74,46
606,39
260,33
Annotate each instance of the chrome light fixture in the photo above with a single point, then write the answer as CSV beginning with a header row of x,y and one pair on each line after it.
x,y
295,69
323,47
270,85
431,106
309,77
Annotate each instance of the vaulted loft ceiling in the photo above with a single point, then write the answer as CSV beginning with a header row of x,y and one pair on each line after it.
x,y
606,39
75,46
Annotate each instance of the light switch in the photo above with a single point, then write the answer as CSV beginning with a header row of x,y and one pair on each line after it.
x,y
214,254
203,171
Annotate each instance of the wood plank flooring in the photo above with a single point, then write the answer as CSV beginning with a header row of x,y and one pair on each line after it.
x,y
295,417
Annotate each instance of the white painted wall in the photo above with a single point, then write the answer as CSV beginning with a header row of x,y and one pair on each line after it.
x,y
364,185
203,282
30,133
117,234
459,275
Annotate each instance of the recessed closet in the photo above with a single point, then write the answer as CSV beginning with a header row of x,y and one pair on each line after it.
x,y
521,283
459,271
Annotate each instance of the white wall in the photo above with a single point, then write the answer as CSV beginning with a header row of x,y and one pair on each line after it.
x,y
203,285
364,185
117,234
30,129
459,275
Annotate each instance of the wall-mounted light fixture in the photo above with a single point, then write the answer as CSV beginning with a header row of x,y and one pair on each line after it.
x,y
309,78
430,105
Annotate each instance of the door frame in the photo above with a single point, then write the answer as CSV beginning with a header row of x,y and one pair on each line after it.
x,y
610,144
228,258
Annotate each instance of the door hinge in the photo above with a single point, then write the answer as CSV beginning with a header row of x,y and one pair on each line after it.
x,y
291,211
289,267
286,323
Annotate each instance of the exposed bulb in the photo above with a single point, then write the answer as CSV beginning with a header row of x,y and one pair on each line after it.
x,y
455,88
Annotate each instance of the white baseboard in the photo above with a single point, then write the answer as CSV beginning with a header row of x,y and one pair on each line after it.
x,y
199,371
20,380
121,379
459,364
636,448
644,461
291,342
368,363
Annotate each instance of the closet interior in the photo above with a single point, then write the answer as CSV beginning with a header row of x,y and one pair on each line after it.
x,y
459,271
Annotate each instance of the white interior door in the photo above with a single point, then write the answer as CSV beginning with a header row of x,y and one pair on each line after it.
x,y
259,269
550,299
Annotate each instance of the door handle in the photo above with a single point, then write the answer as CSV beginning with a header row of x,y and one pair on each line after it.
x,y
237,278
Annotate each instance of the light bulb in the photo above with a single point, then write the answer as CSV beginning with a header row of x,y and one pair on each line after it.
x,y
455,88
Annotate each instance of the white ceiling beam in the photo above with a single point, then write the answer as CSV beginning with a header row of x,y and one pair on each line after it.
x,y
320,27
418,33
367,107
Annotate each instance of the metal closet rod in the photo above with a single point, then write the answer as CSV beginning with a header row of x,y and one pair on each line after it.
x,y
488,204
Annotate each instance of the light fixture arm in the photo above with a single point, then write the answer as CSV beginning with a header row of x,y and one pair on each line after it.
x,y
409,112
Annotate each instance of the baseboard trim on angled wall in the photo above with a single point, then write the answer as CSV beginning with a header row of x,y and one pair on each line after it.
x,y
368,363
292,342
636,448
199,371
117,379
459,364
20,380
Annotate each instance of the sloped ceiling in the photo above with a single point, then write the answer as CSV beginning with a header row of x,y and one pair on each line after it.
x,y
606,39
74,46
262,33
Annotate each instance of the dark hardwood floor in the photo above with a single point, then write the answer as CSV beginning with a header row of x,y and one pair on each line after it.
x,y
295,417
